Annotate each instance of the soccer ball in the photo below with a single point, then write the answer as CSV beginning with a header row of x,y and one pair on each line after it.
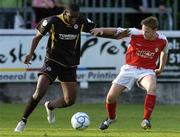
x,y
80,120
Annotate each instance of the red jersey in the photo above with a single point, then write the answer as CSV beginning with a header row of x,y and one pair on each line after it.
x,y
145,53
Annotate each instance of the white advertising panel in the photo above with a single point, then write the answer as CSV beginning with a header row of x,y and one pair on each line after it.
x,y
101,58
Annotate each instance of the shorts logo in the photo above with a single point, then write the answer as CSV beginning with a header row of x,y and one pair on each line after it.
x,y
44,23
75,26
48,68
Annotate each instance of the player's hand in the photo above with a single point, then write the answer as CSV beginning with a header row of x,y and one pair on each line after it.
x,y
28,58
97,31
158,72
123,34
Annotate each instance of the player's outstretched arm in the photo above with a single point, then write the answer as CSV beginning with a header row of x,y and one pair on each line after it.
x,y
103,31
109,33
34,44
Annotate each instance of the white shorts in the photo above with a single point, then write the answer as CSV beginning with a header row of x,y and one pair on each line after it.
x,y
131,74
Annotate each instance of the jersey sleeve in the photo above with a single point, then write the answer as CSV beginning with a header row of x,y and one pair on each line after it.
x,y
162,36
131,30
44,25
166,49
119,30
88,25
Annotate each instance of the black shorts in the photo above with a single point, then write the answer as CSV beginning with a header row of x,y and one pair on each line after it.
x,y
54,70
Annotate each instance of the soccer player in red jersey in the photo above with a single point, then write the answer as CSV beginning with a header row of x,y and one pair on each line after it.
x,y
146,46
61,60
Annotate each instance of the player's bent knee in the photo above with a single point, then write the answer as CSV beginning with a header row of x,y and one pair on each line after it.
x,y
38,95
151,88
69,102
110,100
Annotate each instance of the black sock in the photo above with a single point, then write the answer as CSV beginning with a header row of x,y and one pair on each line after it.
x,y
32,103
50,108
24,120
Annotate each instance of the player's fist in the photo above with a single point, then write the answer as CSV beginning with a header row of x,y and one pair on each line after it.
x,y
158,72
28,58
123,34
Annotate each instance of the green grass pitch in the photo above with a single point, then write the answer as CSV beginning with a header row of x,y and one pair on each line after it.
x,y
165,122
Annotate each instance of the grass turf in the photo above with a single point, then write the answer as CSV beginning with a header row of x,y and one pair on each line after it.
x,y
165,122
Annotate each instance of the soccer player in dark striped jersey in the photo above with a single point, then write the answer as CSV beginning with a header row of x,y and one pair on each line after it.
x,y
61,60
